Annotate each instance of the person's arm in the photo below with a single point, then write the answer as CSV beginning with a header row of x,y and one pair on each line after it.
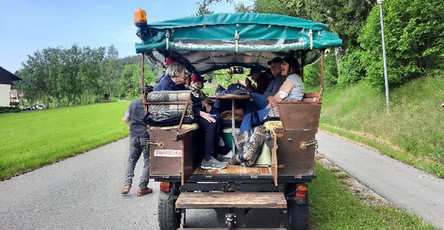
x,y
207,106
126,118
283,92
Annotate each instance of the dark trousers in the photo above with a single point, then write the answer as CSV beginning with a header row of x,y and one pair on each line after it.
x,y
210,134
138,146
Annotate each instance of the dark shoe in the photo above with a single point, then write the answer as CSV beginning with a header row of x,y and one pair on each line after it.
x,y
125,189
212,164
222,158
142,192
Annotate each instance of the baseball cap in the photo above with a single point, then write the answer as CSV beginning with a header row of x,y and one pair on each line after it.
x,y
254,70
170,61
196,77
275,59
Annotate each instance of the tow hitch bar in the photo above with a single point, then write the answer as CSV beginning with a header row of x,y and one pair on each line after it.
x,y
230,220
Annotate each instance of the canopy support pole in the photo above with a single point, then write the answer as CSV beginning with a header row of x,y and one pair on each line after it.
x,y
322,74
142,83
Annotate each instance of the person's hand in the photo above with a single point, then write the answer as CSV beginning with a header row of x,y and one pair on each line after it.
x,y
207,106
271,99
207,117
242,82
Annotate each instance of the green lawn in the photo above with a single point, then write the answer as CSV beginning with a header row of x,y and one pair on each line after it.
x,y
412,131
333,206
32,139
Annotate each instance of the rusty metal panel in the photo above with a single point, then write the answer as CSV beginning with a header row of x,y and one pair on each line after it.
x,y
164,166
292,158
300,115
188,156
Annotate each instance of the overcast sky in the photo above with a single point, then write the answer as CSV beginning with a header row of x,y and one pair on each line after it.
x,y
30,25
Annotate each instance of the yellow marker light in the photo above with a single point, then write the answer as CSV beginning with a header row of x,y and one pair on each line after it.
x,y
140,17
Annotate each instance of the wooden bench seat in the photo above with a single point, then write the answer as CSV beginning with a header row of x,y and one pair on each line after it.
x,y
204,200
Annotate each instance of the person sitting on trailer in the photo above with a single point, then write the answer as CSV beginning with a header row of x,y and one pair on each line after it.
x,y
291,90
277,80
205,120
174,78
168,62
208,119
262,80
196,86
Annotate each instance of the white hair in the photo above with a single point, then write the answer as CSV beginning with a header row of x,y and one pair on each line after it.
x,y
174,70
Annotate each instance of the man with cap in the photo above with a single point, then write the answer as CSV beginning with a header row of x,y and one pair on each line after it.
x,y
277,80
262,80
168,62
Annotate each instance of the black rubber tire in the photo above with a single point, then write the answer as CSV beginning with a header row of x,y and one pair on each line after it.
x,y
298,215
167,217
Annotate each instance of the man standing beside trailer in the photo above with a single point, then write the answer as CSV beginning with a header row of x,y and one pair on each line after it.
x,y
138,144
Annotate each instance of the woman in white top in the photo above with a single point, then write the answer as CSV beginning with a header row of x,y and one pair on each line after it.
x,y
291,90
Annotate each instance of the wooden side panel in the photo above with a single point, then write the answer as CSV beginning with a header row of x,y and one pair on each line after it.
x,y
274,161
299,115
295,160
164,166
188,157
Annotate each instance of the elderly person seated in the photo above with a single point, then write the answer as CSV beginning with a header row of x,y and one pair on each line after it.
x,y
174,78
291,90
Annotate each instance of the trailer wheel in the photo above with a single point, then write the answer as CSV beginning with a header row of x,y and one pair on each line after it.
x,y
298,215
167,217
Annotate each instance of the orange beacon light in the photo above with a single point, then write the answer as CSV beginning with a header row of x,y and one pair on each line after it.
x,y
140,17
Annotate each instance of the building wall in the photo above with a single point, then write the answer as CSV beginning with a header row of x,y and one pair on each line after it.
x,y
4,94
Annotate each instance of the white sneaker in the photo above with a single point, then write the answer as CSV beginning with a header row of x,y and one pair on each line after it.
x,y
229,155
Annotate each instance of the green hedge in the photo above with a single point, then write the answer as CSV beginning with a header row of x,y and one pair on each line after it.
x,y
9,109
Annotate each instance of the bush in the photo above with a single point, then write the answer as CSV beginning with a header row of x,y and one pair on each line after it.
x,y
9,109
351,68
312,73
414,35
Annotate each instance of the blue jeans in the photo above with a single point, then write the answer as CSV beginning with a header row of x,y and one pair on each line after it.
x,y
138,145
259,104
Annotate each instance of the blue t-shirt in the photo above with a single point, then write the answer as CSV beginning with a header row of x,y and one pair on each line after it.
x,y
167,84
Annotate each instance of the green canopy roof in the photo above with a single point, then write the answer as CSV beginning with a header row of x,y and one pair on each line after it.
x,y
210,42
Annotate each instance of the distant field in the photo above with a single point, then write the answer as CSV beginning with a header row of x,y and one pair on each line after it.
x,y
32,139
412,131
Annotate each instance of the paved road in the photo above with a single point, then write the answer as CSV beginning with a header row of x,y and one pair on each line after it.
x,y
83,192
409,188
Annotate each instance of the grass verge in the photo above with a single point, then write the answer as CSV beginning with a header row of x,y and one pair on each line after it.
x,y
333,206
33,139
410,132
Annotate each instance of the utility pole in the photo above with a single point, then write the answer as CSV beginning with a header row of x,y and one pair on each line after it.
x,y
387,95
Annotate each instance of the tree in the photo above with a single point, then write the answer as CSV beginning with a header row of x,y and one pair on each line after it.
x,y
110,73
345,17
414,32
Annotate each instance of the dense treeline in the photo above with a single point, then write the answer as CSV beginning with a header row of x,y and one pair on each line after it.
x,y
63,77
414,33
